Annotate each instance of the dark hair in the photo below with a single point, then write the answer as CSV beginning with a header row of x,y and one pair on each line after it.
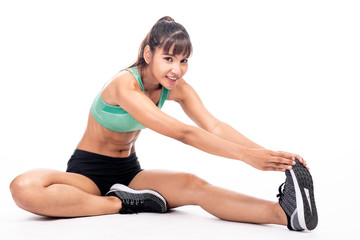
x,y
165,34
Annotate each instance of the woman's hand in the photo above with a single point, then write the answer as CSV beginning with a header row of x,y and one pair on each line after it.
x,y
267,160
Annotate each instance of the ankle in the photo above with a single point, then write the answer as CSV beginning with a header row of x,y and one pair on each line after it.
x,y
115,202
279,215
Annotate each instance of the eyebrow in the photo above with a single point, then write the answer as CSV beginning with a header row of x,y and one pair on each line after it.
x,y
172,55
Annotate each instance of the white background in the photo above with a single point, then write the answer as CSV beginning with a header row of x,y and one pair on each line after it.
x,y
283,73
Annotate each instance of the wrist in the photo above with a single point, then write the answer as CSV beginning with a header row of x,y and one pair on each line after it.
x,y
245,153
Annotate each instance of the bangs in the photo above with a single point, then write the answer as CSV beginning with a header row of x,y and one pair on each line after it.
x,y
180,44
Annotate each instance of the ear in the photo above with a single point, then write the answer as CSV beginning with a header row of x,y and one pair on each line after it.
x,y
147,54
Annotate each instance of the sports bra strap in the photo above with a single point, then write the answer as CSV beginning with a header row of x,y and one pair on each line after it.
x,y
164,91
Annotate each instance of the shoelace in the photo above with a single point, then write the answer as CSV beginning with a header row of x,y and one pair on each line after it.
x,y
281,193
133,202
132,206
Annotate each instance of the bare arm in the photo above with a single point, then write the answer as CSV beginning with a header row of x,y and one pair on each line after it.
x,y
253,154
227,132
193,107
128,95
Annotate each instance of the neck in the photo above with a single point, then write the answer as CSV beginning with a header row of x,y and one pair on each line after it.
x,y
148,80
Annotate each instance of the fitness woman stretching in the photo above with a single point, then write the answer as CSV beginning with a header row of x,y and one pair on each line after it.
x,y
105,177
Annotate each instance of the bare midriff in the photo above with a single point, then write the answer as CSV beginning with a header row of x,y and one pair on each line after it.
x,y
100,140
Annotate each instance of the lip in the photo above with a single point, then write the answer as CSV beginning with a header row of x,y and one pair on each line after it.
x,y
172,79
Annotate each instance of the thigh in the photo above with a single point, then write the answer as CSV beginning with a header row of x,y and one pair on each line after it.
x,y
177,188
46,177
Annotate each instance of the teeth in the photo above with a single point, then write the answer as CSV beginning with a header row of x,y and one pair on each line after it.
x,y
172,78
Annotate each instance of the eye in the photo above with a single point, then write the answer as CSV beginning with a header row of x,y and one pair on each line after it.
x,y
168,59
184,60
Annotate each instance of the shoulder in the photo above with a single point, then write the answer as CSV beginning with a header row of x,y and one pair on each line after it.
x,y
181,91
118,87
123,81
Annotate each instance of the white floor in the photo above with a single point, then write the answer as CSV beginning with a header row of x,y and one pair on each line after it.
x,y
183,223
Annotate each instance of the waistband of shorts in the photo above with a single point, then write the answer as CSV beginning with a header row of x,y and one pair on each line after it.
x,y
86,154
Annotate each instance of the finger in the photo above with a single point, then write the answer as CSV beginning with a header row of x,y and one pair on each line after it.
x,y
274,168
301,160
284,161
284,155
305,164
294,156
279,167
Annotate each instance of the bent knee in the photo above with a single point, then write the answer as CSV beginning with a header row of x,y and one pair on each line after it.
x,y
191,182
23,189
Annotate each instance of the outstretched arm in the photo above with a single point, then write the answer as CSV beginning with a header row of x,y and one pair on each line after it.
x,y
193,107
227,132
129,96
254,153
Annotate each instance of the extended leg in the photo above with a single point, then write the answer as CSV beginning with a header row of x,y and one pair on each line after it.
x,y
181,189
59,194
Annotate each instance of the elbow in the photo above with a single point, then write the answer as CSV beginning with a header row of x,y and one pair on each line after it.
x,y
186,134
215,128
181,132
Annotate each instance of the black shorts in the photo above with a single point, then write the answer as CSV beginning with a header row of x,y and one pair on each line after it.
x,y
104,171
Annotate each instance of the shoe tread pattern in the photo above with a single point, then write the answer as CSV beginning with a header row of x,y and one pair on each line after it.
x,y
304,179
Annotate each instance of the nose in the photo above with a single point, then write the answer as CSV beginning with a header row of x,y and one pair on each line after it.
x,y
176,70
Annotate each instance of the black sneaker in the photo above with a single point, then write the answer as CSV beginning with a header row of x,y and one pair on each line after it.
x,y
135,201
297,198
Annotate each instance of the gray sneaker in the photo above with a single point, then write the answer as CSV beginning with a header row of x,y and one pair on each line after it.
x,y
296,197
135,201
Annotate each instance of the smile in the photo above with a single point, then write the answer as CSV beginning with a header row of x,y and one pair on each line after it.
x,y
171,78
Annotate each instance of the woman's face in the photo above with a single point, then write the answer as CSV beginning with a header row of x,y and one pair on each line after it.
x,y
167,68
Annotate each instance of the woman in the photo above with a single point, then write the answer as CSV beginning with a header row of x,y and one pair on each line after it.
x,y
104,175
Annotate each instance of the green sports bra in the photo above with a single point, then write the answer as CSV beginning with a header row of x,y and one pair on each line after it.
x,y
117,119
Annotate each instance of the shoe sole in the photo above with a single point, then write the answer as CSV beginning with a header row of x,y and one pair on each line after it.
x,y
305,201
119,188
